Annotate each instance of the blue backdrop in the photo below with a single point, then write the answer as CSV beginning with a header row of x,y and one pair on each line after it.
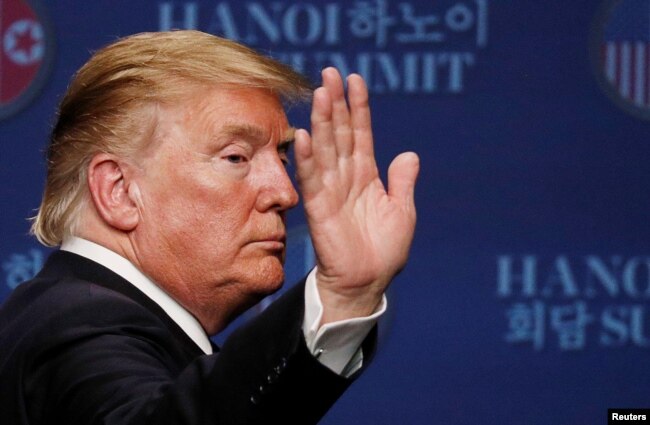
x,y
525,300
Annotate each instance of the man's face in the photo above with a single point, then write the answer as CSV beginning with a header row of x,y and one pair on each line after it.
x,y
214,190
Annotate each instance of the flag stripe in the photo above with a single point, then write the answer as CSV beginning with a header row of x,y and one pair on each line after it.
x,y
647,74
610,62
632,72
639,74
626,66
624,62
2,31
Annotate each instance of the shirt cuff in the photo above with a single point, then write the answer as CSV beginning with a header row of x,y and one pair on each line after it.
x,y
336,345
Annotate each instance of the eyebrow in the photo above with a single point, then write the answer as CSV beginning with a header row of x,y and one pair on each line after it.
x,y
255,133
289,136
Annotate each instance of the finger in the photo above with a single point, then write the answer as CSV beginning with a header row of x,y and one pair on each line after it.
x,y
322,133
306,170
402,174
360,116
302,148
340,113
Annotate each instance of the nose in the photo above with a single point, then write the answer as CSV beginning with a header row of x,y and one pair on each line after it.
x,y
276,189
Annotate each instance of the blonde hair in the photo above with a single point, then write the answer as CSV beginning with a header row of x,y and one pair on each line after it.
x,y
107,107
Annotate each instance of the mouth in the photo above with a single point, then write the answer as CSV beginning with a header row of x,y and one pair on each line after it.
x,y
272,243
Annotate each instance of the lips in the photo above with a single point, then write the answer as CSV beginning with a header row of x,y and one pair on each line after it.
x,y
272,242
279,237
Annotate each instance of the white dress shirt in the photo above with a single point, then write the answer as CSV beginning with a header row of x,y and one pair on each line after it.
x,y
336,345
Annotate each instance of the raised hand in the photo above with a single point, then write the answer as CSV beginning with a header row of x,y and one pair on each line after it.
x,y
361,232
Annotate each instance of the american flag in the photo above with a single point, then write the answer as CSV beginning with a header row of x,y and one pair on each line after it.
x,y
625,51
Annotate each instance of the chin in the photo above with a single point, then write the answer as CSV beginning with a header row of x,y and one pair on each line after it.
x,y
268,278
273,283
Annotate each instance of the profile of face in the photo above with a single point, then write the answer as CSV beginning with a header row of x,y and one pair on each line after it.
x,y
213,192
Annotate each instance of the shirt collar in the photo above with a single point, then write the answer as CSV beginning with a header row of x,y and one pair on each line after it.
x,y
133,275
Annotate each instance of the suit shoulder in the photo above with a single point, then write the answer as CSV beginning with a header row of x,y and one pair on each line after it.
x,y
42,314
67,297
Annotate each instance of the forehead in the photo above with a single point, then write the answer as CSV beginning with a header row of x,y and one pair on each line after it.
x,y
218,110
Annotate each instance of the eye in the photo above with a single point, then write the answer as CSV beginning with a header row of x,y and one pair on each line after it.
x,y
283,152
236,159
285,160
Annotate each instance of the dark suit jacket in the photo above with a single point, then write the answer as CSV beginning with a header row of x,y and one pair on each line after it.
x,y
79,345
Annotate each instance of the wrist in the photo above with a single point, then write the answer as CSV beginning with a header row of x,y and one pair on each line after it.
x,y
347,303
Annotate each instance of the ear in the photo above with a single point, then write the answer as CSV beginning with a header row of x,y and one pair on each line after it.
x,y
111,192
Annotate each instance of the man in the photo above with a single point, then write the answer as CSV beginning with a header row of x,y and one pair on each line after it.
x,y
167,190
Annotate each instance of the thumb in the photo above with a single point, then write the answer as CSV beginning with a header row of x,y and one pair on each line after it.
x,y
402,173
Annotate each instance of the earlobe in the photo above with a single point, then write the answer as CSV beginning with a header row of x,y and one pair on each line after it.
x,y
111,194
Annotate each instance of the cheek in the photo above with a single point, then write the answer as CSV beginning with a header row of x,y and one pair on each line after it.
x,y
189,204
207,216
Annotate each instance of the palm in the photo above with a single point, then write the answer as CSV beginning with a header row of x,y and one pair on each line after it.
x,y
361,232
